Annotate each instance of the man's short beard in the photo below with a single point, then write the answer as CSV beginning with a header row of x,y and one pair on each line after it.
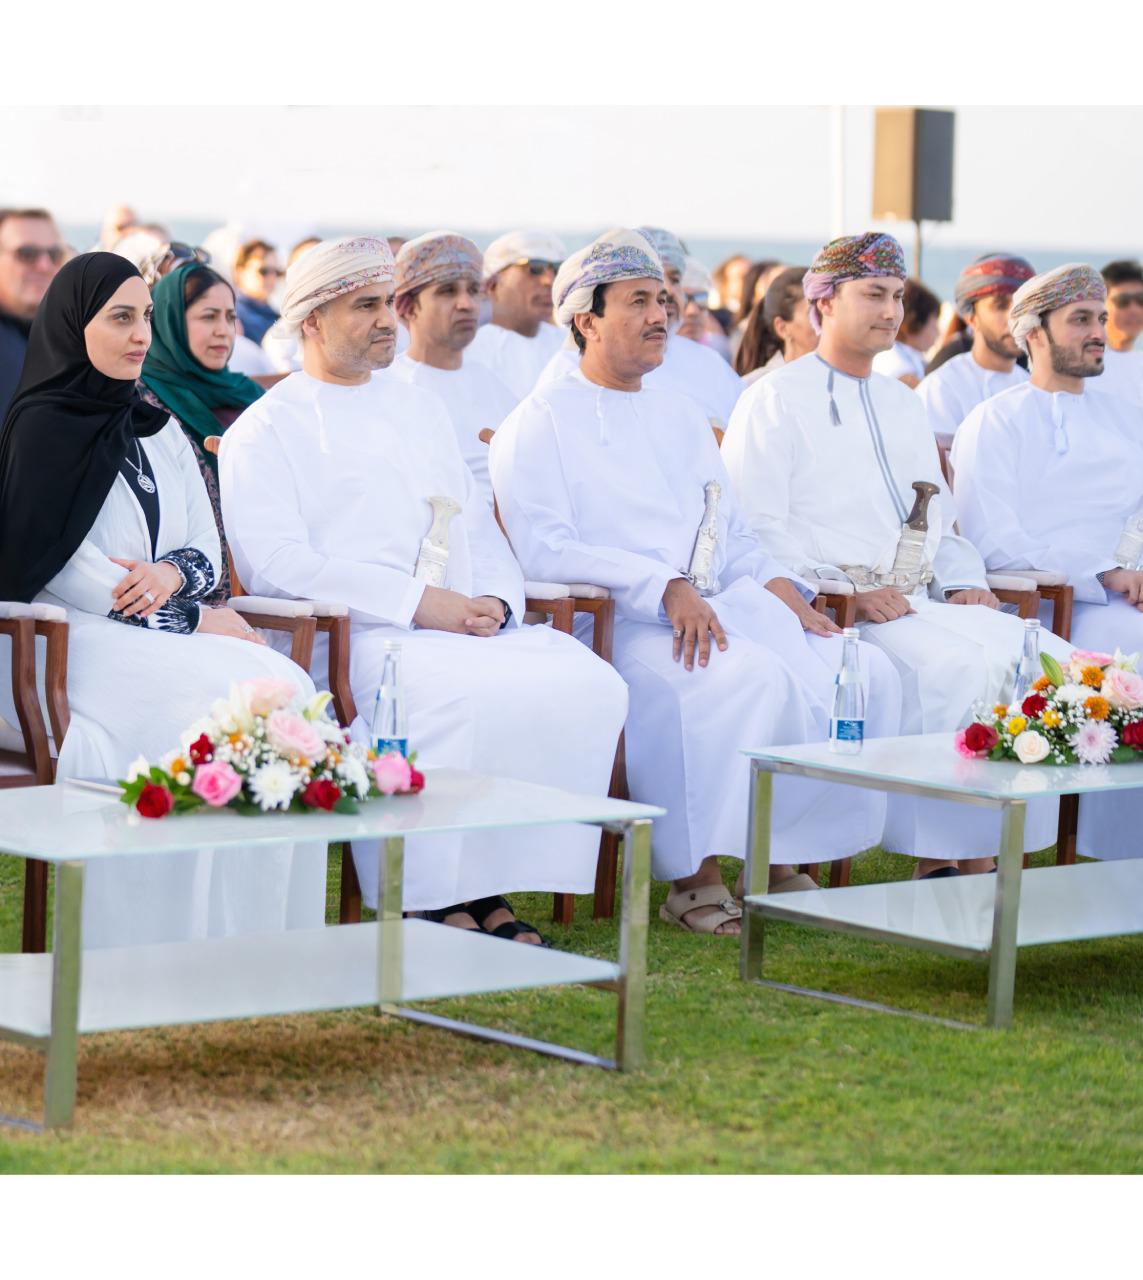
x,y
1062,361
1004,346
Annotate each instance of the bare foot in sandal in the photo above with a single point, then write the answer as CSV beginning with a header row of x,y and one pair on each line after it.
x,y
702,904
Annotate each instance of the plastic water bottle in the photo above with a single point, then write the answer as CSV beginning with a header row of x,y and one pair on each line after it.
x,y
389,731
1028,667
847,724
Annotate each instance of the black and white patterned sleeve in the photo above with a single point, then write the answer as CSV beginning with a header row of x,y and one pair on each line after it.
x,y
178,616
197,573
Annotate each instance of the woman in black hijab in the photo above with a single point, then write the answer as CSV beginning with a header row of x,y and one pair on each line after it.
x,y
103,511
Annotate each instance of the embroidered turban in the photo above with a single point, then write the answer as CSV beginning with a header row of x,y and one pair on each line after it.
x,y
992,273
327,271
850,258
669,248
618,254
1073,282
522,246
434,258
696,278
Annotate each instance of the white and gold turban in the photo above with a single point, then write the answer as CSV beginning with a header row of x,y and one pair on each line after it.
x,y
618,254
327,271
522,246
1073,282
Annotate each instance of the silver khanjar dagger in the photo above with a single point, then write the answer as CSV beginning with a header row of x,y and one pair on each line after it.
x,y
701,571
432,560
909,562
1129,550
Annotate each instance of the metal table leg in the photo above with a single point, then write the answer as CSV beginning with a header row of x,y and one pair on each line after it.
x,y
1005,916
67,950
632,992
389,917
756,874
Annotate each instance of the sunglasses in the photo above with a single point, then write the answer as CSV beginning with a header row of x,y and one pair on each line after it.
x,y
181,252
699,299
270,271
537,266
1127,299
30,254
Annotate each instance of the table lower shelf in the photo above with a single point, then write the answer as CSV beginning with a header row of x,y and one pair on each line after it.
x,y
301,971
954,915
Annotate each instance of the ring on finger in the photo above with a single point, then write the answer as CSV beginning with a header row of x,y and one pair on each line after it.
x,y
150,599
677,634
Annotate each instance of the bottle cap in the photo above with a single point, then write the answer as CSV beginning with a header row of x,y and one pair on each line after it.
x,y
1031,624
392,646
850,633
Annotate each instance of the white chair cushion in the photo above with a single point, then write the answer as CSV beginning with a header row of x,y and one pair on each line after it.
x,y
273,606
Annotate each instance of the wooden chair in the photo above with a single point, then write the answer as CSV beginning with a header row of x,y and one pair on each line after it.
x,y
267,380
27,756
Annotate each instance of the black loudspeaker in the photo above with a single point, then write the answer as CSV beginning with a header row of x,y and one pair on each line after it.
x,y
913,165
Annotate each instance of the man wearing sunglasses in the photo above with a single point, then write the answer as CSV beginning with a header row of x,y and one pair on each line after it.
x,y
520,339
1122,363
31,252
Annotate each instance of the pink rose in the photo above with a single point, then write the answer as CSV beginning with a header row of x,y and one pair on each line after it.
x,y
216,783
392,773
1090,658
962,747
293,735
266,695
1123,689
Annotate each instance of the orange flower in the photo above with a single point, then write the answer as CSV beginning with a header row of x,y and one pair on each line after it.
x,y
1092,676
1041,683
1097,707
1052,719
178,765
1000,709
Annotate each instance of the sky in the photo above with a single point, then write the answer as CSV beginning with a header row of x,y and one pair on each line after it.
x,y
1031,176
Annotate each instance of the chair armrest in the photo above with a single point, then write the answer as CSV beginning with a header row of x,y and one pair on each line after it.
x,y
1010,582
1042,578
328,609
546,591
272,606
831,587
37,612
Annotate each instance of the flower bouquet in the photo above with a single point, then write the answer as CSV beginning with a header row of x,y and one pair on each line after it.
x,y
265,749
1088,711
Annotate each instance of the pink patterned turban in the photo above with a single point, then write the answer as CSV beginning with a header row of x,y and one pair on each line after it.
x,y
434,258
850,258
327,271
993,273
618,254
1073,282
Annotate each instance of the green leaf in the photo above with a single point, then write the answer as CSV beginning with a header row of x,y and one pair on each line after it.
x,y
1123,755
1052,669
344,804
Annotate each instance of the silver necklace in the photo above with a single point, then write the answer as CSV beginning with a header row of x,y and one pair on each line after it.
x,y
143,480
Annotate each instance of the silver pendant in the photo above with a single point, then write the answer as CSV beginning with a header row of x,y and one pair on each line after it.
x,y
146,484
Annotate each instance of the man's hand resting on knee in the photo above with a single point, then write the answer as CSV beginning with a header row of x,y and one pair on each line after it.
x,y
886,604
693,623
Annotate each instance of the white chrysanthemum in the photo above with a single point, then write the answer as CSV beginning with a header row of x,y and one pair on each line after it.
x,y
353,771
137,768
273,785
1071,693
1094,742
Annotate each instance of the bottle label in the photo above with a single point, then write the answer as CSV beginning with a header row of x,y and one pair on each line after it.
x,y
392,744
849,730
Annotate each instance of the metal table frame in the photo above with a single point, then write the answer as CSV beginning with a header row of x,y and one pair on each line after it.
x,y
1010,867
60,1047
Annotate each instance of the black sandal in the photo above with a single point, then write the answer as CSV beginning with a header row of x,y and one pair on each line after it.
x,y
438,916
482,908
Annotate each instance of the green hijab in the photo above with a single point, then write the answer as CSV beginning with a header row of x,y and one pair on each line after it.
x,y
188,389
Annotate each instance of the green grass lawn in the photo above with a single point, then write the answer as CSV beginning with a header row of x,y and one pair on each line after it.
x,y
739,1078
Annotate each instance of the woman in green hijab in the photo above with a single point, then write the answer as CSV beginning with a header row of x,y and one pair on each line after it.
x,y
186,373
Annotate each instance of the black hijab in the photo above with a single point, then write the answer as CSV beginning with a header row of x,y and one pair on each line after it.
x,y
66,430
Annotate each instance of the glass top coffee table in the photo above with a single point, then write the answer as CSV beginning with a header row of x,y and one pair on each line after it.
x,y
974,916
48,1001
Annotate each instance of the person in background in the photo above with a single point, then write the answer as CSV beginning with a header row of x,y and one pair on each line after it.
x,y
395,243
984,292
726,296
697,322
520,338
186,370
1122,364
754,284
256,275
117,221
954,340
779,331
905,360
439,284
31,252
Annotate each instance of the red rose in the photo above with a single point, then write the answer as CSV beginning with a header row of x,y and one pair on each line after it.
x,y
321,794
201,750
1132,735
154,801
980,737
1033,704
416,782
